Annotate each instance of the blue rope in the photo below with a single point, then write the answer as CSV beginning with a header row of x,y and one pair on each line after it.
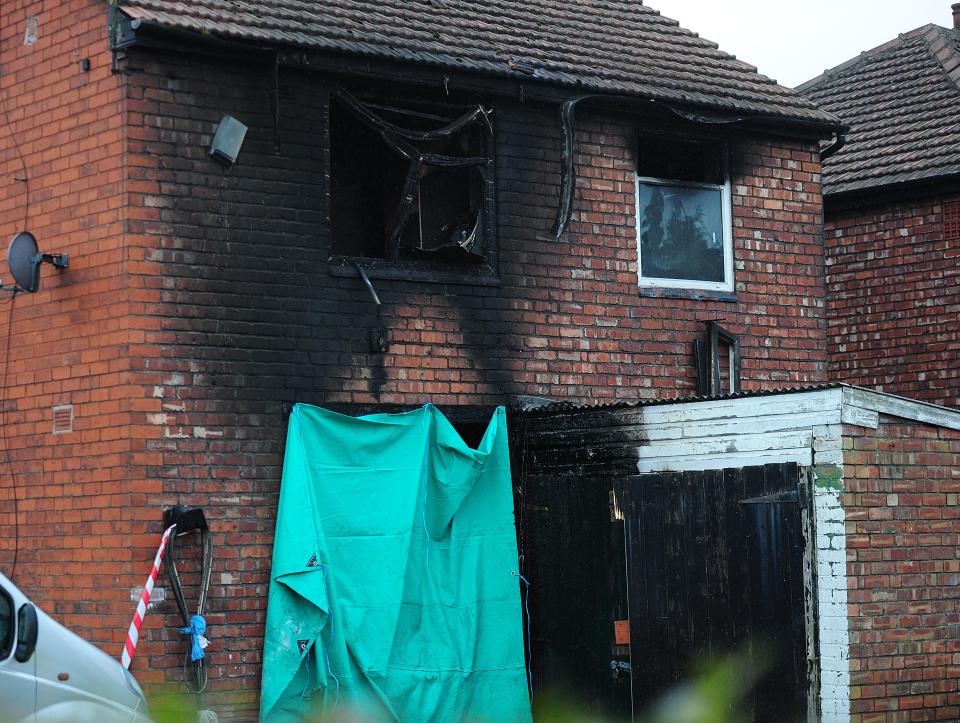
x,y
426,484
326,588
326,657
306,684
326,654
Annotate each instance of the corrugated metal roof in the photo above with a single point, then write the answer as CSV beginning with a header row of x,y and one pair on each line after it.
x,y
565,407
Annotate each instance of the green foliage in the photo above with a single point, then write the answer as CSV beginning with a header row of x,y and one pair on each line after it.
x,y
716,693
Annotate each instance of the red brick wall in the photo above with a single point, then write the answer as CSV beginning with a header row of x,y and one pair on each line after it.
x,y
199,302
241,314
903,548
68,343
893,298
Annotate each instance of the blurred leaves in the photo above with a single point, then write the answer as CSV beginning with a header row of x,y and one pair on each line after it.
x,y
717,693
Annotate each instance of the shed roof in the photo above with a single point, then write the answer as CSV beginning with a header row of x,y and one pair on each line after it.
x,y
800,424
902,102
618,47
851,396
536,406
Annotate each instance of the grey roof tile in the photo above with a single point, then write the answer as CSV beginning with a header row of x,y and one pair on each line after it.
x,y
902,102
612,46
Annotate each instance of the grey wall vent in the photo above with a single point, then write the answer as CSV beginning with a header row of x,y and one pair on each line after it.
x,y
227,140
63,419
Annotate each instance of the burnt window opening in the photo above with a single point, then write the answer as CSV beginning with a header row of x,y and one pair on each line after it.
x,y
718,362
684,229
410,179
680,160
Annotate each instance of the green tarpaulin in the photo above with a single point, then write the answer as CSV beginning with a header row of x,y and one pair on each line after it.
x,y
394,587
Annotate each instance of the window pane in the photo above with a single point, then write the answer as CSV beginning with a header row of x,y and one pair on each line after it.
x,y
681,232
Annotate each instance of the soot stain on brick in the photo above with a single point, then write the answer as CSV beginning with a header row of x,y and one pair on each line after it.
x,y
488,339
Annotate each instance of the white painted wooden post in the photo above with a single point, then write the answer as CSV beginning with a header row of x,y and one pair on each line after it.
x,y
831,569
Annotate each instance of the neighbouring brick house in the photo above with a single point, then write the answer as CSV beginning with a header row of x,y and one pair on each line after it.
x,y
892,244
203,298
892,212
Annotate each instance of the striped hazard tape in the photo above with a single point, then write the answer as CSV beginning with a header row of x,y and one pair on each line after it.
x,y
133,634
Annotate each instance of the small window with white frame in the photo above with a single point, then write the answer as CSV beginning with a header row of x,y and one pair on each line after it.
x,y
684,238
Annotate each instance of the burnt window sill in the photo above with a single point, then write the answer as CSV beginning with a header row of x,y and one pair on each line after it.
x,y
695,294
420,271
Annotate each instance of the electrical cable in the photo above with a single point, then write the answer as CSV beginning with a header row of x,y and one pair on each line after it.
x,y
521,544
4,427
529,646
198,669
23,162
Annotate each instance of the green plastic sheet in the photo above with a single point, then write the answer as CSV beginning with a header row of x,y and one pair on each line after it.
x,y
394,592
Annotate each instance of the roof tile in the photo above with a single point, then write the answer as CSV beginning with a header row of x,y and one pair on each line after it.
x,y
901,101
612,46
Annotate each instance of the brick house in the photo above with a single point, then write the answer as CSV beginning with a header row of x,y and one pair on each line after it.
x,y
354,256
892,215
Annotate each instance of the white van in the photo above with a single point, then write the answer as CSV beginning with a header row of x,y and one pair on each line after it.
x,y
50,675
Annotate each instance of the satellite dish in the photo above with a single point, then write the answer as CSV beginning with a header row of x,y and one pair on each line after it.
x,y
24,259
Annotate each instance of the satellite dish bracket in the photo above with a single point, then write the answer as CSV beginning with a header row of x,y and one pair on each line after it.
x,y
61,261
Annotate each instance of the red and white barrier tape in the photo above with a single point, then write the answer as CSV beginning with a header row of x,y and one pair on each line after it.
x,y
133,634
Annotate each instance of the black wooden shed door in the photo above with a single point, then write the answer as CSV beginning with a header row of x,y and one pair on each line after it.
x,y
715,565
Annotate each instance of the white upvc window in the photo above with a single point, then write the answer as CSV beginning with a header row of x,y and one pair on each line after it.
x,y
684,228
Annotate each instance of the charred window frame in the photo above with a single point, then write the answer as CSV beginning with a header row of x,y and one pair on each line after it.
x,y
718,362
684,216
411,180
